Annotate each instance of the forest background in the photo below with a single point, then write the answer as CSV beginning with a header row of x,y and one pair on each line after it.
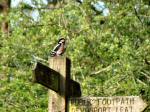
x,y
110,54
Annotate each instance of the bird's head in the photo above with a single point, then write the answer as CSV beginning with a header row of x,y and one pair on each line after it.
x,y
61,40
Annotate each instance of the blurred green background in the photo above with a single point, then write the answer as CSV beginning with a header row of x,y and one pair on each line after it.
x,y
110,55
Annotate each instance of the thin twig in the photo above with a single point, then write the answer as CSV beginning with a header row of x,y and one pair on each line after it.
x,y
136,13
105,69
141,82
39,59
38,25
147,62
146,75
102,70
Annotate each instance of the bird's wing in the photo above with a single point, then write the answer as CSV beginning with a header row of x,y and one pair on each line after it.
x,y
56,47
53,52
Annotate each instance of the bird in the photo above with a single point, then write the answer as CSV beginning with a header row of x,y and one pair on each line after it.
x,y
80,1
60,48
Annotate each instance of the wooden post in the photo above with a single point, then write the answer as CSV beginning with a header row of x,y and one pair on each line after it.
x,y
58,101
46,76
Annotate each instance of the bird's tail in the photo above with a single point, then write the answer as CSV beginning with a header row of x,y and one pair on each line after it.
x,y
53,53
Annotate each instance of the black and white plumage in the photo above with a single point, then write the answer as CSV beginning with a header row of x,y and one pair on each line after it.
x,y
80,1
60,48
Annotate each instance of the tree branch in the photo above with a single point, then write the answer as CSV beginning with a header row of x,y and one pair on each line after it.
x,y
36,58
136,13
102,70
141,82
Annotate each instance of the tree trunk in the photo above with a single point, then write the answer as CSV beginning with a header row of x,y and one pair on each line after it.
x,y
4,9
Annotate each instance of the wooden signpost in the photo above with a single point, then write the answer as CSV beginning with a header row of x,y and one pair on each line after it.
x,y
107,104
65,93
56,77
58,102
46,76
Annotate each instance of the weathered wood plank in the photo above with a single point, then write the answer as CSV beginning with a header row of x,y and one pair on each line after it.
x,y
51,79
107,104
46,77
74,89
58,102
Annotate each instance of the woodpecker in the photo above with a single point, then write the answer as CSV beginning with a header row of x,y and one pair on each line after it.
x,y
59,49
80,1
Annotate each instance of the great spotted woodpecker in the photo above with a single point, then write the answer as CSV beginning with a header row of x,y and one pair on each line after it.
x,y
59,49
80,1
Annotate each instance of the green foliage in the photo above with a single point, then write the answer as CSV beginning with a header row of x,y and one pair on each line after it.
x,y
108,54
